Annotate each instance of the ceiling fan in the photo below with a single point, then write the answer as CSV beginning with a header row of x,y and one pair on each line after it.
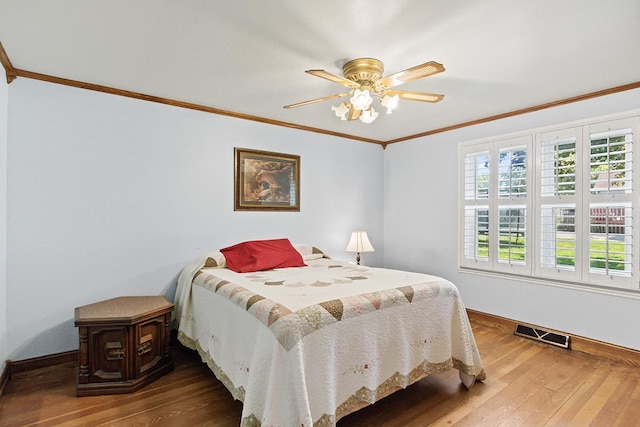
x,y
364,77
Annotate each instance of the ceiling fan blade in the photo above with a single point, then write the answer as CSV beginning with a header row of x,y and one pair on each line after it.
x,y
334,78
415,96
313,101
414,73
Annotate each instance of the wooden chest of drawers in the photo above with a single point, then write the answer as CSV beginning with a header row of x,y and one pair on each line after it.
x,y
124,344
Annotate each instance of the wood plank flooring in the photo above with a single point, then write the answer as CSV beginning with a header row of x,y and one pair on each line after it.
x,y
528,384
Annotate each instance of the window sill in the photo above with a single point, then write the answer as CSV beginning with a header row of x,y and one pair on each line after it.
x,y
585,287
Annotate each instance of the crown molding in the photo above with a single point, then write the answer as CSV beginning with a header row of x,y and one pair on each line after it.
x,y
552,104
181,104
6,64
12,73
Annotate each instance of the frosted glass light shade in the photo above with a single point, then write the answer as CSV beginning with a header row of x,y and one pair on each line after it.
x,y
361,99
341,110
368,116
390,102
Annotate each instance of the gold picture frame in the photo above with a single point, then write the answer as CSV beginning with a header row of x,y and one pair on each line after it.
x,y
266,181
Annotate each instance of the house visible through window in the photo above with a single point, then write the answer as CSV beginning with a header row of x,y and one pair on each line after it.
x,y
557,204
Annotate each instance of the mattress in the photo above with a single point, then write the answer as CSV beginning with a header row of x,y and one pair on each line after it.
x,y
303,346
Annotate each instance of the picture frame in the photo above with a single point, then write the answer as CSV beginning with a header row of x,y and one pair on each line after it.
x,y
266,181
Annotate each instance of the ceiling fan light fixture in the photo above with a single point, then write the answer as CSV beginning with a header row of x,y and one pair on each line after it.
x,y
363,77
390,102
361,99
341,110
368,116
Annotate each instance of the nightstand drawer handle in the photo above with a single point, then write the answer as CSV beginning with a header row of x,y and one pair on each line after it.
x,y
144,348
145,344
115,351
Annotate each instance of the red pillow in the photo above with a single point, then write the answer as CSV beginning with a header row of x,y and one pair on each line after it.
x,y
257,255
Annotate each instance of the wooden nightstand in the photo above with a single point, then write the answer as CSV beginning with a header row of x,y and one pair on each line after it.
x,y
124,344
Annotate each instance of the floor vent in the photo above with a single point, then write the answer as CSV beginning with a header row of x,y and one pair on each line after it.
x,y
542,335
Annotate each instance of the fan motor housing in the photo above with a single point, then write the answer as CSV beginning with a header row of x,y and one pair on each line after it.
x,y
363,70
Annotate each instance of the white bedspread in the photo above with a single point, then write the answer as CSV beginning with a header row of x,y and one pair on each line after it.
x,y
306,346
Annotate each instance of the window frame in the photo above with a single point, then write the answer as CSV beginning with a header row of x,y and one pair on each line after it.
x,y
581,274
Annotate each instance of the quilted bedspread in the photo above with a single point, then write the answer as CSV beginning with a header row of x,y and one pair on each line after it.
x,y
305,346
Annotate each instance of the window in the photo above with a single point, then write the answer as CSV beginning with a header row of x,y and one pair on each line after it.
x,y
558,204
496,206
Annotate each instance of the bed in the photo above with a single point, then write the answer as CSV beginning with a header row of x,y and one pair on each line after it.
x,y
306,345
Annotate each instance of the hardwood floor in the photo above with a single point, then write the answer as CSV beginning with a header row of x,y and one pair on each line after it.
x,y
528,384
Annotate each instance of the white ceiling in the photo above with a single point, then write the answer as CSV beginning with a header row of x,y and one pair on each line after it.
x,y
249,57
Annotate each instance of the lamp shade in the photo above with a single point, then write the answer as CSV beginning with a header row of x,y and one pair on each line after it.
x,y
359,242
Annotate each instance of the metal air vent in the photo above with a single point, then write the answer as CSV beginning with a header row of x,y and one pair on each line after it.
x,y
537,334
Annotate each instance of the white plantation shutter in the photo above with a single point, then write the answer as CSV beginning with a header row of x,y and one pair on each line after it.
x,y
564,208
609,202
476,175
510,250
495,197
558,194
611,162
512,172
512,225
558,237
558,166
475,223
611,237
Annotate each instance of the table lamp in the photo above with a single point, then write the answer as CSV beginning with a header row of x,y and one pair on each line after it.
x,y
359,242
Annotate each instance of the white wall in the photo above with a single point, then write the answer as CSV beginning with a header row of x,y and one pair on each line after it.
x,y
111,196
4,102
420,230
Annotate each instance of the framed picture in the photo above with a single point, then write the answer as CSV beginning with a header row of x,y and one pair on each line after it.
x,y
266,181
